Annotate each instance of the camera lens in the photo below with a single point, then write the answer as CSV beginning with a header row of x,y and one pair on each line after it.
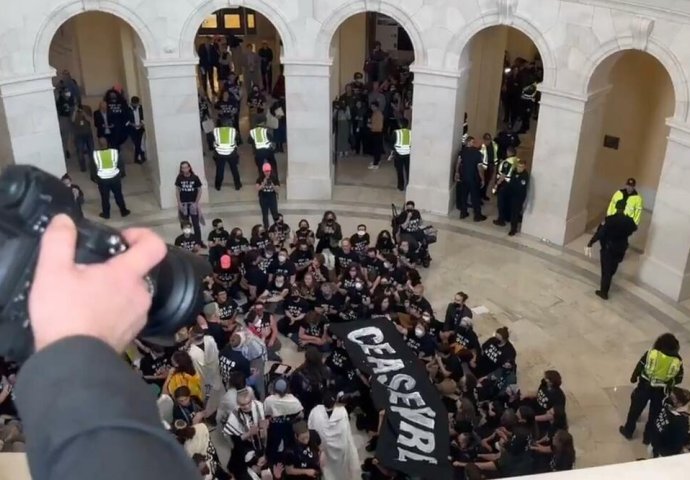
x,y
14,184
178,296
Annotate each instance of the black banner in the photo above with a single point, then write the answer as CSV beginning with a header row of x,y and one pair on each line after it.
x,y
414,437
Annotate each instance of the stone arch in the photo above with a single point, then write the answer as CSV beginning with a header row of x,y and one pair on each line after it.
x,y
201,11
57,17
331,24
458,44
667,59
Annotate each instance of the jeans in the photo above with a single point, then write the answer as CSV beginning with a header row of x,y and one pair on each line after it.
x,y
268,201
83,145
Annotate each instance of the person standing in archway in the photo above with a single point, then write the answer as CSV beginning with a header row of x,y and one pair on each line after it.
x,y
260,139
612,234
402,148
225,144
65,108
633,201
469,176
106,171
489,160
375,135
135,122
266,55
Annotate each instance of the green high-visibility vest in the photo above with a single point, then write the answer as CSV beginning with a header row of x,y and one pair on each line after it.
x,y
660,369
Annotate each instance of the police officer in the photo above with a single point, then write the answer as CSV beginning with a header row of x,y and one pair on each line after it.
x,y
527,99
225,144
489,160
505,172
659,369
106,171
263,149
403,140
517,193
469,175
633,201
613,235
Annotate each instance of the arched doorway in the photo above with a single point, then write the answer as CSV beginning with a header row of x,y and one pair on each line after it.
x,y
88,73
628,133
371,54
240,79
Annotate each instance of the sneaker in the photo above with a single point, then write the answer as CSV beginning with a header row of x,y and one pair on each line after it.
x,y
125,213
103,215
373,167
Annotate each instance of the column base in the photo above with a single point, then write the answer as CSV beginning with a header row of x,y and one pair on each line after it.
x,y
309,188
666,279
552,228
430,199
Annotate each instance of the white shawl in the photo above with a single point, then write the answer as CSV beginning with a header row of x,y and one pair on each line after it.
x,y
342,459
206,363
199,442
277,406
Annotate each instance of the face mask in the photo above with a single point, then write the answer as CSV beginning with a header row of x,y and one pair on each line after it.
x,y
279,221
68,94
280,284
361,233
387,265
304,228
358,286
187,231
268,255
330,220
219,228
419,332
282,258
426,318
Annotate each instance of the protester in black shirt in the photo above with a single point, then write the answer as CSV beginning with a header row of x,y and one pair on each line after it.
x,y
548,396
282,265
670,432
312,332
231,360
329,302
267,186
456,311
344,257
154,365
255,280
360,241
187,407
384,243
187,241
303,233
227,307
279,231
303,462
329,233
237,244
296,309
188,187
218,236
77,193
301,258
497,352
259,239
227,274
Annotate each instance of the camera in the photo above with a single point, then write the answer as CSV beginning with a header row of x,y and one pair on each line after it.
x,y
29,199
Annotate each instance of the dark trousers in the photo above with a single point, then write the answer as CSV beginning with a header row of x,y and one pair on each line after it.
x,y
358,142
137,136
264,155
644,393
402,167
610,259
503,203
105,187
206,79
472,190
526,107
233,160
268,201
488,175
516,204
84,149
376,146
267,78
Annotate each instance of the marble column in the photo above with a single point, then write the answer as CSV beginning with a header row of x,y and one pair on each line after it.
x,y
308,113
172,126
565,147
437,118
30,123
666,261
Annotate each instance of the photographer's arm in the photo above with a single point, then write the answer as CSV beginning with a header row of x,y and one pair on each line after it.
x,y
101,420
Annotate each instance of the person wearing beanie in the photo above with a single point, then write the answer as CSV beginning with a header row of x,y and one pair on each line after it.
x,y
267,185
282,409
612,234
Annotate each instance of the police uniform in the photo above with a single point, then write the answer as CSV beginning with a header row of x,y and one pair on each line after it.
x,y
613,235
517,193
490,163
656,372
263,151
527,99
403,140
225,144
506,169
633,204
106,171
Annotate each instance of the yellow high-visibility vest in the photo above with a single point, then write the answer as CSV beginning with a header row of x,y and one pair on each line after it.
x,y
106,163
226,140
403,141
260,137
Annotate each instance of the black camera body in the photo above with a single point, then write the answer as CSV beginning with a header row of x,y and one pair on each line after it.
x,y
29,199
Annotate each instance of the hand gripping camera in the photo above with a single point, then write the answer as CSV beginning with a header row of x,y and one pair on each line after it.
x,y
29,198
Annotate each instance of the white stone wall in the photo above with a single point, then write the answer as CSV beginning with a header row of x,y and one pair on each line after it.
x,y
573,37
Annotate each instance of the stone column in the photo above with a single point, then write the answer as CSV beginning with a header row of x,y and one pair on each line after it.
x,y
308,113
565,149
172,125
30,123
666,261
437,118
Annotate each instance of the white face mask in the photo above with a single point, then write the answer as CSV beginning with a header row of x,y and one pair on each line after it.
x,y
361,233
359,285
282,258
426,318
268,255
187,231
280,284
419,332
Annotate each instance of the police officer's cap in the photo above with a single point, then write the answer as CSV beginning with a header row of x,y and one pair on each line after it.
x,y
631,182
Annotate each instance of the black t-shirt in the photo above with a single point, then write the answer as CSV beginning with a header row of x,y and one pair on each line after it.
x,y
419,305
228,309
360,243
335,303
189,187
424,345
287,268
220,336
548,398
454,366
435,327
454,314
670,432
415,222
304,234
281,231
340,364
237,245
374,266
257,278
219,236
227,276
260,242
471,159
344,260
150,365
296,306
316,329
304,457
510,465
185,242
270,187
301,259
232,361
385,246
497,354
468,339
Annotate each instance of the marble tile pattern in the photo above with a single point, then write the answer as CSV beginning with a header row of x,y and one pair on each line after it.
x,y
542,293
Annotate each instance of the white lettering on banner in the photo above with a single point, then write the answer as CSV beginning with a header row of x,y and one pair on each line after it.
x,y
405,455
401,396
419,439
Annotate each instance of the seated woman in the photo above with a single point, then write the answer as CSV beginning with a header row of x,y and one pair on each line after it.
x,y
313,332
497,353
385,244
303,234
547,396
301,257
275,294
308,288
296,309
543,448
262,323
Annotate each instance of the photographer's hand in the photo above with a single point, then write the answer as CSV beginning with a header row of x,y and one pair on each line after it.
x,y
107,301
